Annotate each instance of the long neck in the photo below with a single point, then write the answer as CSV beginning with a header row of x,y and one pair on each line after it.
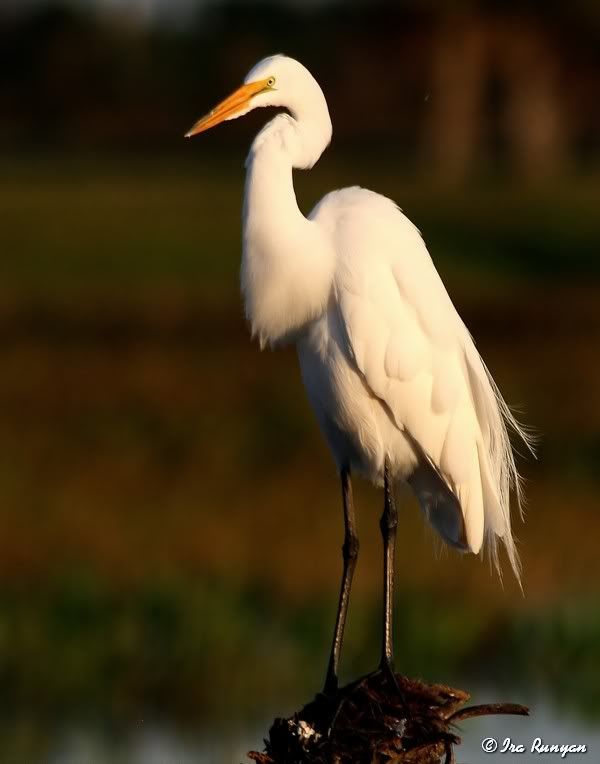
x,y
287,263
269,195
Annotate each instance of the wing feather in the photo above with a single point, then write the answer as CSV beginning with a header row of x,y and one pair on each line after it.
x,y
416,355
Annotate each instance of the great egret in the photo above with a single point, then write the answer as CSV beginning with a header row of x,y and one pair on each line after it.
x,y
390,369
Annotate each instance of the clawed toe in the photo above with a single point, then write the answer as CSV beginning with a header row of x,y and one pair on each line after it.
x,y
386,668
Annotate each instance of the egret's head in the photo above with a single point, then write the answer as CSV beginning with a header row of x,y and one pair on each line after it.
x,y
274,81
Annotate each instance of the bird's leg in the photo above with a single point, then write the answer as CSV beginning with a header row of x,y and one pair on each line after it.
x,y
388,525
350,556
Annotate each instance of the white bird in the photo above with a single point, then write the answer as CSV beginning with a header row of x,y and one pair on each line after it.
x,y
390,369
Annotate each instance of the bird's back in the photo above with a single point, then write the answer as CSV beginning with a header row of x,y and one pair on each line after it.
x,y
392,323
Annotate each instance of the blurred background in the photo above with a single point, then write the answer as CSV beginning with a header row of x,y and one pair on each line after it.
x,y
170,520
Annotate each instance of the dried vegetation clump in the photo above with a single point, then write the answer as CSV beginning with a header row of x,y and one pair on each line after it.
x,y
372,721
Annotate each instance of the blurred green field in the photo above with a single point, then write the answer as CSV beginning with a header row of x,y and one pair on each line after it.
x,y
162,221
169,510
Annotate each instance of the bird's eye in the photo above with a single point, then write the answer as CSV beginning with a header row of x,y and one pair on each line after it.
x,y
270,82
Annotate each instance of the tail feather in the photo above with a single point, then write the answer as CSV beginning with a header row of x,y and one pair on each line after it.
x,y
498,468
440,505
437,499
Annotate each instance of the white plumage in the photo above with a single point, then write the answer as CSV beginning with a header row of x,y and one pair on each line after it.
x,y
391,370
389,367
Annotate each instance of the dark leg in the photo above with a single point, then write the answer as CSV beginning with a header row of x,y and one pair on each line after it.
x,y
350,555
388,525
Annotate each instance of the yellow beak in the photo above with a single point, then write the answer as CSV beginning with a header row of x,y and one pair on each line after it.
x,y
228,108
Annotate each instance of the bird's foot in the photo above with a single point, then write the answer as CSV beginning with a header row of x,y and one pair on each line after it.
x,y
331,686
386,669
332,699
390,678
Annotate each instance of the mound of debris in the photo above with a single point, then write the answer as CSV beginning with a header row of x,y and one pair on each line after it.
x,y
375,720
